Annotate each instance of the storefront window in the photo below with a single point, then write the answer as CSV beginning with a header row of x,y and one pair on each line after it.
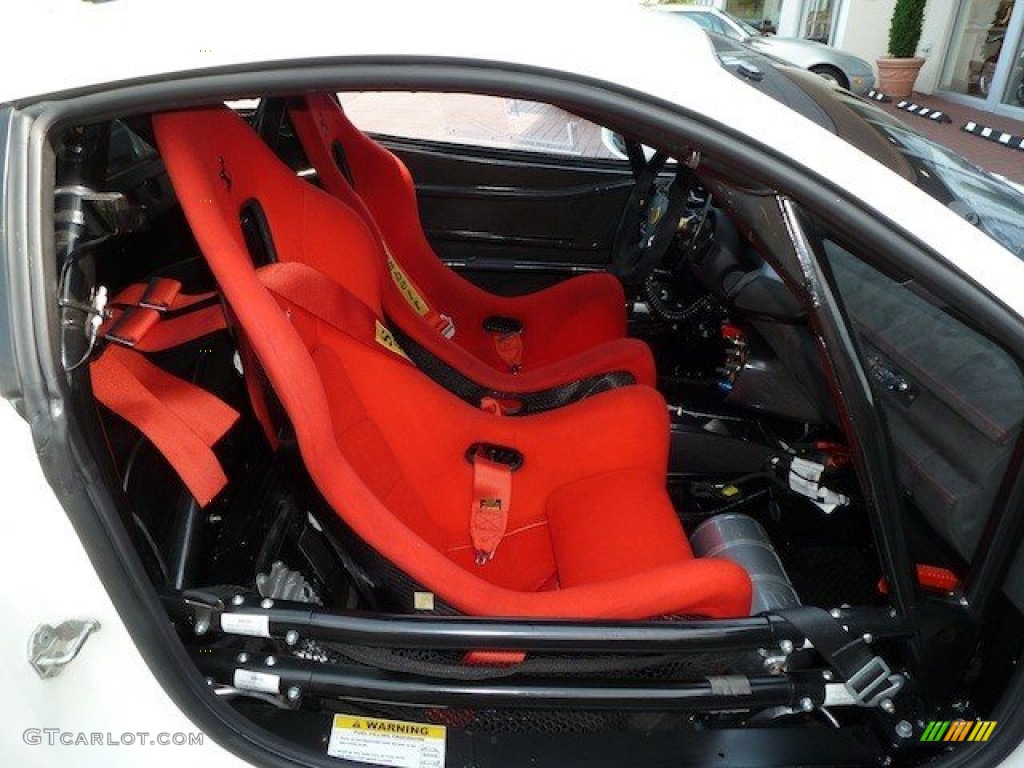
x,y
761,14
976,45
1014,95
818,21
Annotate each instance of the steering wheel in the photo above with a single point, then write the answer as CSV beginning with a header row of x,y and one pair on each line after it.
x,y
649,221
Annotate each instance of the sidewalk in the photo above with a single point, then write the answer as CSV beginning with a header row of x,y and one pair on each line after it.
x,y
1005,161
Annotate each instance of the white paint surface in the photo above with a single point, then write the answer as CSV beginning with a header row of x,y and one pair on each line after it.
x,y
46,577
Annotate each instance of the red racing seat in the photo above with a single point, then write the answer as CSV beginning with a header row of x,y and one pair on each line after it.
x,y
573,330
590,530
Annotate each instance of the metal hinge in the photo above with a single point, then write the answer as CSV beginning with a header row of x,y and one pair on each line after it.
x,y
51,648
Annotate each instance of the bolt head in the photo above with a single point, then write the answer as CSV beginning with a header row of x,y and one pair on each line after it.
x,y
806,704
904,729
294,693
237,599
786,646
887,706
202,626
242,658
826,675
835,613
868,638
271,661
267,603
291,637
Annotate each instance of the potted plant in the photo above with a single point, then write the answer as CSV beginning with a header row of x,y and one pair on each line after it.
x,y
898,71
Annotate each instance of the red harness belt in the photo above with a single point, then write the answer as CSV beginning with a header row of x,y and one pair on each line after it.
x,y
140,316
182,420
509,347
507,335
492,495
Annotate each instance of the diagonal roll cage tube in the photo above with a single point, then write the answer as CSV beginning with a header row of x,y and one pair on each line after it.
x,y
250,616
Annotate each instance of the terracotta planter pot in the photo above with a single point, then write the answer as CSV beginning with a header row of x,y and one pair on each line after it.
x,y
896,77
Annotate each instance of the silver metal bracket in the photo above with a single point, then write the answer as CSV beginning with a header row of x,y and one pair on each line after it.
x,y
840,694
873,683
100,214
50,649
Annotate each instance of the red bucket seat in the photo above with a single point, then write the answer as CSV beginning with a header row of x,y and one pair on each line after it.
x,y
573,330
590,530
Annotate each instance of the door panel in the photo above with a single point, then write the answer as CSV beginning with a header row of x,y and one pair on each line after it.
x,y
515,221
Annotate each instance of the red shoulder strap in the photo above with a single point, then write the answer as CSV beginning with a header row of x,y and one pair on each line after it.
x,y
315,293
180,419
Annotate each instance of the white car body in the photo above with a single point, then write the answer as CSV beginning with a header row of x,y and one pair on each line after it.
x,y
49,579
45,574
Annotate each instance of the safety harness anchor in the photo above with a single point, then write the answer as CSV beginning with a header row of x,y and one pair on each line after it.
x,y
868,678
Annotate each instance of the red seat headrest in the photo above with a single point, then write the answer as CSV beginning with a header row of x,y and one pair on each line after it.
x,y
231,168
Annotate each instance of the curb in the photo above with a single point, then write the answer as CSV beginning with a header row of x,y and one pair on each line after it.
x,y
994,135
927,112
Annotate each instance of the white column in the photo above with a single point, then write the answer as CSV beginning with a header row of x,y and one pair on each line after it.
x,y
789,18
939,18
863,28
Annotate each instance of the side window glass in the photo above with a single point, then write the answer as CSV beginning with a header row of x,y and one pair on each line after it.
x,y
703,19
476,120
953,399
717,25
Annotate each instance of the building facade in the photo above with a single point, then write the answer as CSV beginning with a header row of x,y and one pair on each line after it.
x,y
974,48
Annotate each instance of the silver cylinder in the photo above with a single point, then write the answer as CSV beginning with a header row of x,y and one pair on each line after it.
x,y
742,539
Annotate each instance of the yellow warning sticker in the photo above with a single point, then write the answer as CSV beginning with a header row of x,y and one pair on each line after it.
x,y
422,601
387,340
387,742
406,288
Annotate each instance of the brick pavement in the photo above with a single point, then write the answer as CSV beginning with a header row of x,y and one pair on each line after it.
x,y
1006,161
